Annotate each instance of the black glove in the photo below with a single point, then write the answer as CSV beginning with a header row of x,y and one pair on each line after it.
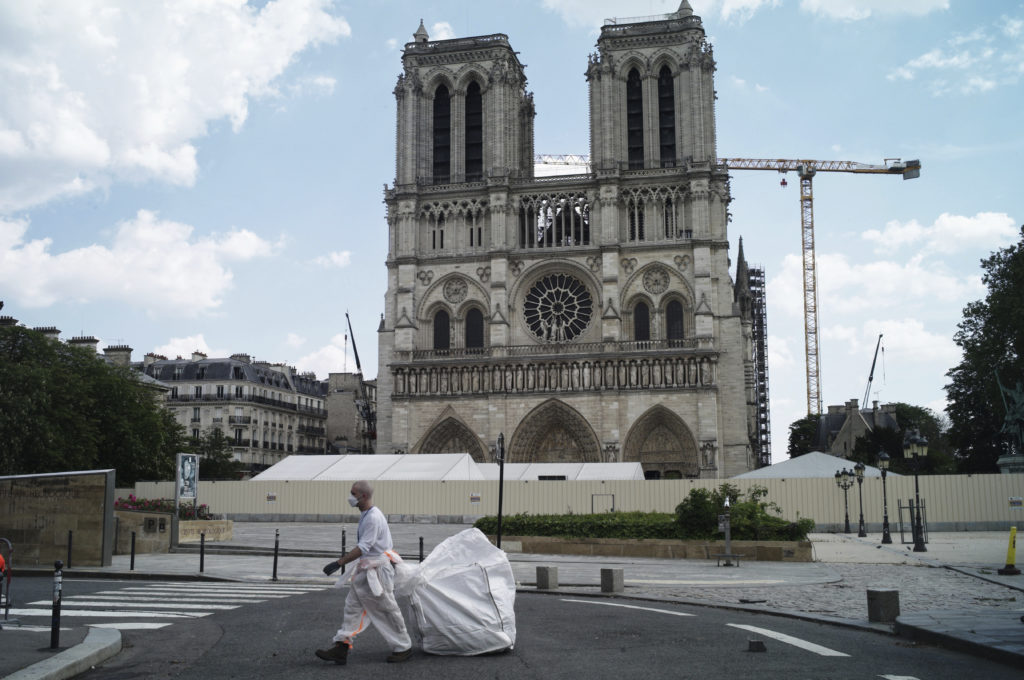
x,y
332,567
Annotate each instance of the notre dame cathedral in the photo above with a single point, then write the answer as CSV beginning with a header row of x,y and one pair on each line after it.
x,y
587,317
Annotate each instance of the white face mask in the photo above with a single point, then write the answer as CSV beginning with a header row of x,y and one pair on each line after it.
x,y
353,501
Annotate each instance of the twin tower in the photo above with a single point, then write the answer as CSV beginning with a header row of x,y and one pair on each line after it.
x,y
587,317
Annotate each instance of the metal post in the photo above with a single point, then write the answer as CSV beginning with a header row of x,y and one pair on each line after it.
x,y
886,536
58,578
343,542
202,551
132,566
728,535
844,482
501,479
918,529
277,542
859,471
421,548
70,537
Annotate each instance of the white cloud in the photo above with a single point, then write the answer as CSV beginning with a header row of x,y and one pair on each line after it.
x,y
184,347
295,340
442,30
339,259
333,357
856,10
392,43
907,341
151,264
109,90
949,234
321,86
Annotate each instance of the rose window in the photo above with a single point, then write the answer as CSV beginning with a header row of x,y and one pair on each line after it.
x,y
558,308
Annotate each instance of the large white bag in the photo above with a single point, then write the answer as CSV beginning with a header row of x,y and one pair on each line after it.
x,y
462,597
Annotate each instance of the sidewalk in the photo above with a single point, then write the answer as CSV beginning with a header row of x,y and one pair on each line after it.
x,y
951,595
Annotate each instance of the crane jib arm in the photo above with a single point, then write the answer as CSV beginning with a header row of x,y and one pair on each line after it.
x,y
909,169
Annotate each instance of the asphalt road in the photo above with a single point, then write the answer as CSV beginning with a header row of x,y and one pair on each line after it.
x,y
558,637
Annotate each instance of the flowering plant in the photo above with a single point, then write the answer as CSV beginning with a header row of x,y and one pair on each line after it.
x,y
185,511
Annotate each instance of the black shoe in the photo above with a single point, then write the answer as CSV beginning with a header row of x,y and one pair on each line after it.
x,y
338,653
398,657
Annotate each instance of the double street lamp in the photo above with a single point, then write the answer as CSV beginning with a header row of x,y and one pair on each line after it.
x,y
858,470
844,480
500,455
883,465
916,446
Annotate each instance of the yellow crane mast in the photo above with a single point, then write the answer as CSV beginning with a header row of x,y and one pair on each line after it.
x,y
806,169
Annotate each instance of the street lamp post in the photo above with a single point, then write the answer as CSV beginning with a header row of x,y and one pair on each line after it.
x,y
916,446
501,479
844,481
858,470
883,465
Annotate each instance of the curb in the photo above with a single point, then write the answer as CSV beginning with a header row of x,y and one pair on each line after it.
x,y
982,646
99,645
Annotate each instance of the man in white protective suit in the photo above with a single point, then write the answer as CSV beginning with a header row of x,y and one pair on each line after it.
x,y
371,597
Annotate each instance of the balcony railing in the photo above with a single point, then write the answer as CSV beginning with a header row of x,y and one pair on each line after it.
x,y
239,420
252,398
560,349
310,429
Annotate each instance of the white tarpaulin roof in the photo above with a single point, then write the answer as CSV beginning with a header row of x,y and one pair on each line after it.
x,y
571,471
427,466
435,466
813,464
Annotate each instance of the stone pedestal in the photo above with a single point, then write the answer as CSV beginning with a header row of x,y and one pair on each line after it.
x,y
547,578
883,606
1011,464
611,581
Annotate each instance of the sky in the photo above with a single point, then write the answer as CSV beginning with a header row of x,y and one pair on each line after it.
x,y
208,174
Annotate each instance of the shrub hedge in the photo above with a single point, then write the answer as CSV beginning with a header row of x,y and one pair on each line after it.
x,y
696,517
185,510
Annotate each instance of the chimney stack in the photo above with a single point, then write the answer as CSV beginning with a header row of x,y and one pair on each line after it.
x,y
119,355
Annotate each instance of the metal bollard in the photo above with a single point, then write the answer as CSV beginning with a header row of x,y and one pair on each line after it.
x,y
421,548
58,578
202,551
343,542
70,536
132,567
277,543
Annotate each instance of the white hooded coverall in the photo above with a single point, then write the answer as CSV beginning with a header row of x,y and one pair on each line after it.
x,y
371,597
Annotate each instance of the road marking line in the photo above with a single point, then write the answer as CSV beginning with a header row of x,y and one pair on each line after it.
x,y
30,629
163,598
898,677
630,606
112,612
703,582
217,591
790,640
129,626
82,602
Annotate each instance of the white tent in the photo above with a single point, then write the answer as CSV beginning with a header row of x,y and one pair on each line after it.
x,y
570,471
813,464
430,466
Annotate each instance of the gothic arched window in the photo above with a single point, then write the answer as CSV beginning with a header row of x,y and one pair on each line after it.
x,y
634,120
674,320
474,328
474,133
666,118
641,322
442,330
442,135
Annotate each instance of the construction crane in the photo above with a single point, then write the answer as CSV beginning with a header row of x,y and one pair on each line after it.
x,y
806,169
871,375
366,412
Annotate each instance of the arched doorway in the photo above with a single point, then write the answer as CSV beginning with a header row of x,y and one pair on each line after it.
x,y
662,443
554,432
452,436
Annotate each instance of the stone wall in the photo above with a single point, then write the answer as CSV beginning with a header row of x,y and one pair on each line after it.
x,y
770,551
189,531
154,531
38,511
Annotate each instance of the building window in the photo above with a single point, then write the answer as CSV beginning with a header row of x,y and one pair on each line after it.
x,y
195,434
635,215
437,235
641,322
198,391
174,393
666,118
671,220
442,330
474,133
442,135
238,436
674,320
238,391
474,328
634,120
220,391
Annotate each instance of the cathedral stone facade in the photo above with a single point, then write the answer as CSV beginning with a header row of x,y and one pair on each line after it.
x,y
588,317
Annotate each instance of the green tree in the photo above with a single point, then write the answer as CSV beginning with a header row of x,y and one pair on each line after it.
x,y
801,435
215,459
930,425
991,336
62,408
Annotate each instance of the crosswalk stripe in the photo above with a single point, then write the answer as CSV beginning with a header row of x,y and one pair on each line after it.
x,y
789,640
222,591
85,602
163,598
110,612
129,625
